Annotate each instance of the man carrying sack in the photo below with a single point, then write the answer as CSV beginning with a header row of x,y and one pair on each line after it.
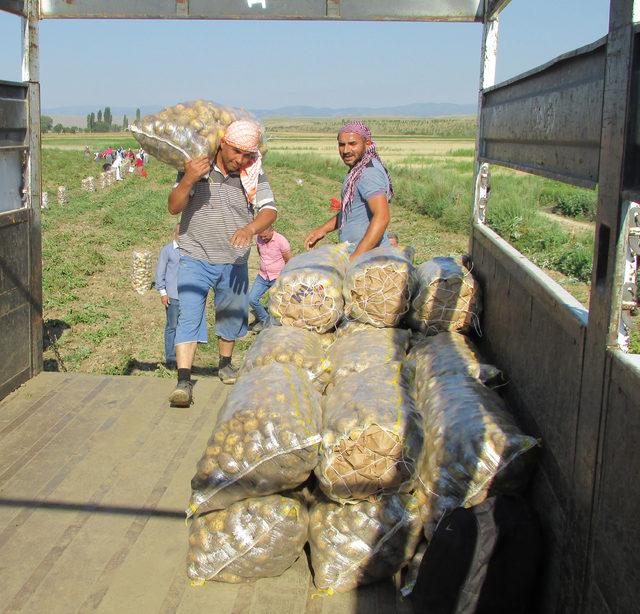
x,y
223,206
366,191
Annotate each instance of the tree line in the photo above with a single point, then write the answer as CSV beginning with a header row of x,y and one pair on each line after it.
x,y
102,121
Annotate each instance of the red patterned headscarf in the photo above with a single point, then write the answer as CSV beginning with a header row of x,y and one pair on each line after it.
x,y
355,173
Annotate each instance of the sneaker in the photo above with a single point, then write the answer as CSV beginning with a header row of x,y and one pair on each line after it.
x,y
182,396
228,375
258,326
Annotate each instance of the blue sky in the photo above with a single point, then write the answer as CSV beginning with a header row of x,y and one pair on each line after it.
x,y
272,64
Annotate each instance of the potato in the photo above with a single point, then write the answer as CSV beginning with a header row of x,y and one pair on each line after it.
x,y
447,354
358,544
287,345
362,349
254,538
372,441
266,439
378,287
308,292
473,444
187,130
447,298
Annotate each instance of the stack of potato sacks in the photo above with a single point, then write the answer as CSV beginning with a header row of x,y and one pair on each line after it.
x,y
252,517
365,522
395,441
250,521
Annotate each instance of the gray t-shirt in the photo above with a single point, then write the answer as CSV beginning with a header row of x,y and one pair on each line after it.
x,y
373,182
217,207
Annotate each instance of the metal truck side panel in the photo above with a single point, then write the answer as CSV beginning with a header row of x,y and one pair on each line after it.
x,y
614,554
535,332
535,122
374,10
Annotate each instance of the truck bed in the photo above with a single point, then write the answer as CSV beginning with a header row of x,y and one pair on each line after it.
x,y
94,478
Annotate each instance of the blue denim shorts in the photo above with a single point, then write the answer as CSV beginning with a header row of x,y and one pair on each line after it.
x,y
230,284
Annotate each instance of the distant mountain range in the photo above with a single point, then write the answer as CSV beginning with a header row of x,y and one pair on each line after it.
x,y
420,109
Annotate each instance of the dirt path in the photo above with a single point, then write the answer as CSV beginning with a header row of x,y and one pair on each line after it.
x,y
570,223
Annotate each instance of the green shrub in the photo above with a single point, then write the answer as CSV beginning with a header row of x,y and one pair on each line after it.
x,y
576,204
575,261
568,200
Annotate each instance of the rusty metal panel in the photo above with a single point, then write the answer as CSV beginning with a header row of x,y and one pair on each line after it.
x,y
15,299
494,7
615,558
632,154
529,320
445,10
547,121
17,7
554,522
374,10
10,180
534,330
13,115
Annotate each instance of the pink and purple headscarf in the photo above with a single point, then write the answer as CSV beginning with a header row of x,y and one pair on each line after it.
x,y
355,173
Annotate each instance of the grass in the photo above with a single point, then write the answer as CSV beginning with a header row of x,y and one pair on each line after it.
x,y
87,247
433,127
87,244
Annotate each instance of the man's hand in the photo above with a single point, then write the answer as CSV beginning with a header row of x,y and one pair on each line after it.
x,y
165,300
241,237
196,169
313,237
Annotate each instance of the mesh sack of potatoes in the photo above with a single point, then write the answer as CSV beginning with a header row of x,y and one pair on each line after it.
x,y
358,544
308,292
187,130
377,287
372,435
447,354
256,538
363,349
265,440
447,297
288,345
472,444
326,339
141,276
346,327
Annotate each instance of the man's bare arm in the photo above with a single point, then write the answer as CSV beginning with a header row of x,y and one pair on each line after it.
x,y
321,231
194,170
377,225
242,237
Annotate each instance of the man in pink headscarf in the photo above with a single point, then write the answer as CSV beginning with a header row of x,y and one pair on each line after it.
x,y
224,203
366,191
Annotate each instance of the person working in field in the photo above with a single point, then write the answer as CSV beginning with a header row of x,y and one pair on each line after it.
x,y
275,252
366,191
223,205
167,286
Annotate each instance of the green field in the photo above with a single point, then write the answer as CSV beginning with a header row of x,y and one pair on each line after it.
x,y
95,322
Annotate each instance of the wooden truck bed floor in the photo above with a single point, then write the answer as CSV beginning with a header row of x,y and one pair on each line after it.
x,y
94,478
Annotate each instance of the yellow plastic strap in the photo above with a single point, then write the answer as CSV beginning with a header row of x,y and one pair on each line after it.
x,y
323,592
195,583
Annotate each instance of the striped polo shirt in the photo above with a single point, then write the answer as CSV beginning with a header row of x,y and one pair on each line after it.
x,y
217,207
